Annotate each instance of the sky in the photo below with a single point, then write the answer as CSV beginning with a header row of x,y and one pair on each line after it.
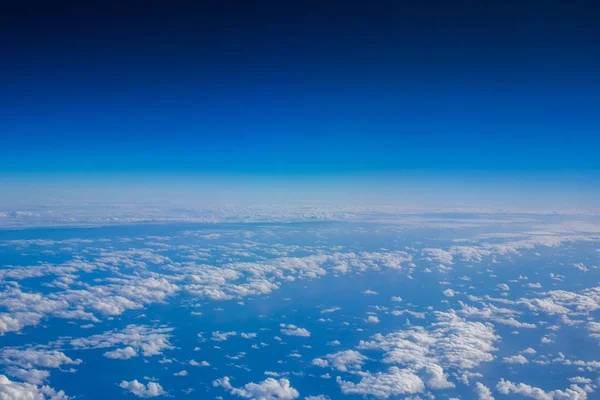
x,y
302,91
299,200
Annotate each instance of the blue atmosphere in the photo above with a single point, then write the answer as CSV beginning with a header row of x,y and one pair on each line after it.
x,y
308,88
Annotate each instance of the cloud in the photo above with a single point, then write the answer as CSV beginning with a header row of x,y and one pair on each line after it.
x,y
140,338
293,330
518,359
435,378
319,362
122,354
269,389
572,393
483,392
384,384
222,336
449,342
248,335
33,357
152,389
492,313
343,360
10,390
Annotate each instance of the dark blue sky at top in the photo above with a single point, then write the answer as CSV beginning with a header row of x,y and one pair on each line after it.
x,y
299,87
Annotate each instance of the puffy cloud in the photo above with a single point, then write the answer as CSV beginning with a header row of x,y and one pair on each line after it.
x,y
343,360
269,389
518,359
492,313
483,392
319,362
34,376
293,330
121,294
383,385
34,357
139,338
122,354
16,321
10,390
222,336
565,302
439,255
435,377
248,335
240,279
450,342
152,389
572,393
580,379
414,314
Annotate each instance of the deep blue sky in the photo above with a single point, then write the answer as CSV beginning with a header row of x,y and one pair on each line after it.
x,y
300,87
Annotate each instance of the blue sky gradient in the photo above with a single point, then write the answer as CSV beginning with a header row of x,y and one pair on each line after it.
x,y
233,91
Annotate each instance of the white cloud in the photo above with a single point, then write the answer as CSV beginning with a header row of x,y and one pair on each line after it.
x,y
222,336
140,338
490,312
572,393
330,310
517,359
122,354
293,330
319,362
384,384
248,335
152,389
269,389
10,390
34,357
435,378
343,360
483,392
450,342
